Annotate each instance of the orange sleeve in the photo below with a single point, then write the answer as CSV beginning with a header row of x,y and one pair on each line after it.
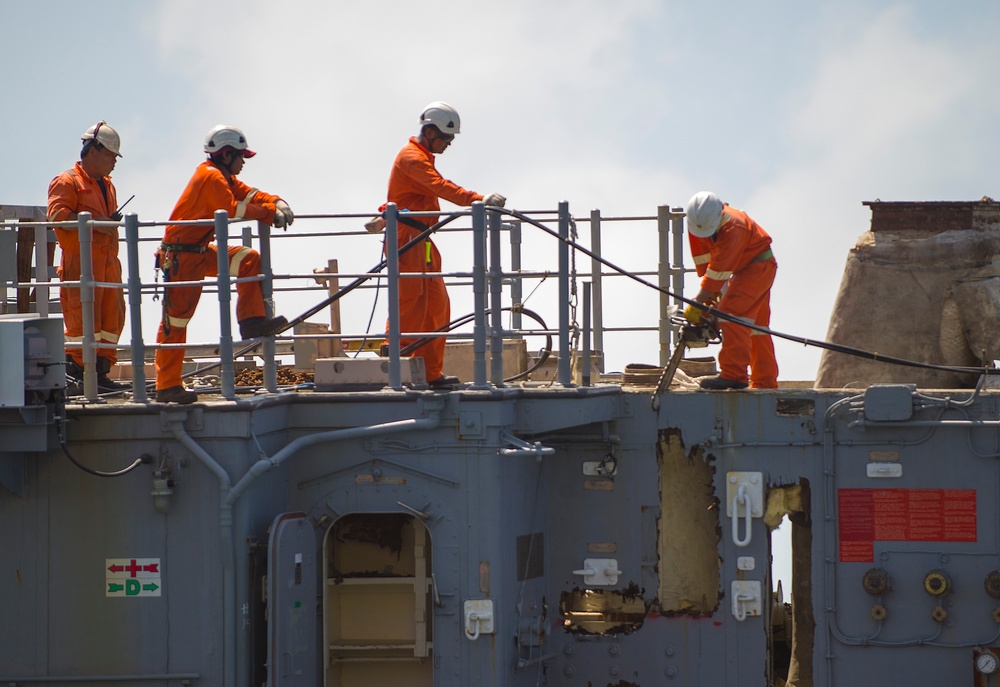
x,y
63,198
422,176
208,191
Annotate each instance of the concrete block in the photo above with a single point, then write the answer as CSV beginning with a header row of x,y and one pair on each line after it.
x,y
458,359
364,374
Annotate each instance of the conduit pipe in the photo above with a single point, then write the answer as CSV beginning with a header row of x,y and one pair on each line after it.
x,y
228,496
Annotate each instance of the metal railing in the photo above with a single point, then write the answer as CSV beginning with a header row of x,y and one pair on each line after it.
x,y
487,279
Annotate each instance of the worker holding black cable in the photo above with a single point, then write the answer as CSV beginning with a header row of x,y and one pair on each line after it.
x,y
87,187
732,254
416,185
188,254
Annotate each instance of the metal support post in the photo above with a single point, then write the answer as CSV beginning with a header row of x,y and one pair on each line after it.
x,y
663,272
677,266
496,299
516,285
564,369
392,268
42,270
85,230
138,351
598,283
586,333
226,372
479,296
267,291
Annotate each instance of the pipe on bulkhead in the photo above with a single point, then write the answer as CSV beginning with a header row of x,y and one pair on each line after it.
x,y
228,496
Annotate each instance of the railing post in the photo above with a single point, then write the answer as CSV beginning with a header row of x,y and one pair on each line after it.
x,y
663,274
138,348
226,371
42,270
564,368
596,278
85,231
494,221
267,291
516,284
392,269
585,372
479,295
677,231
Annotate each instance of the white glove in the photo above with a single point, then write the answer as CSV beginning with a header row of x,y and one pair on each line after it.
x,y
286,211
496,200
375,225
280,221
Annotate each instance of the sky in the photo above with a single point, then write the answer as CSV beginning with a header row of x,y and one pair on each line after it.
x,y
795,112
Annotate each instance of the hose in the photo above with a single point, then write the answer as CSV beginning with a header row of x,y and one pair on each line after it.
x,y
713,312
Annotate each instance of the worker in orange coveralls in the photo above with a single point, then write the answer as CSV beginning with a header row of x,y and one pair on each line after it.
x,y
87,187
186,253
732,254
416,185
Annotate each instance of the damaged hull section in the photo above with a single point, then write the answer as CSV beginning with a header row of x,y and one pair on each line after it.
x,y
557,536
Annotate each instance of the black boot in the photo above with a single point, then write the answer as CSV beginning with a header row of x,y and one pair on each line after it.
x,y
74,377
105,383
176,394
257,327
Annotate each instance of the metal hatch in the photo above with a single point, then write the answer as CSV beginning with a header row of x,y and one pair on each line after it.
x,y
291,602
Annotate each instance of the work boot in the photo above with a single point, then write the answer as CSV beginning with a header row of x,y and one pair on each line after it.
x,y
445,382
105,383
720,383
176,394
74,370
257,327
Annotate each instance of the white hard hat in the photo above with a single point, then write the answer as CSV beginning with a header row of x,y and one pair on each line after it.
x,y
224,135
443,116
704,214
104,135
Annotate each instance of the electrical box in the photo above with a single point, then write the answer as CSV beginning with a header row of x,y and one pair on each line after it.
x,y
38,343
889,402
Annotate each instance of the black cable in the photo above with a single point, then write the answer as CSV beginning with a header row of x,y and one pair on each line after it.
x,y
465,319
719,314
60,419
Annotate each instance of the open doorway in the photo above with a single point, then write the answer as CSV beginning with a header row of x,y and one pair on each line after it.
x,y
792,621
377,601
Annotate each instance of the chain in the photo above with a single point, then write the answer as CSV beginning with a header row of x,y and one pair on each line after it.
x,y
573,296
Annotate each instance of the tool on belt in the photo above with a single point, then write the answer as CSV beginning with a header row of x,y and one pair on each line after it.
x,y
691,336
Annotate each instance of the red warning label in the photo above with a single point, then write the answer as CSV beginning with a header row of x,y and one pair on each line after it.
x,y
870,515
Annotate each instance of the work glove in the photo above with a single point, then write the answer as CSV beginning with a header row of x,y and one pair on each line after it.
x,y
375,225
496,200
286,211
280,222
693,314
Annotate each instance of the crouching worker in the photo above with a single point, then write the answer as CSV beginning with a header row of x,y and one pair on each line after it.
x,y
188,254
732,255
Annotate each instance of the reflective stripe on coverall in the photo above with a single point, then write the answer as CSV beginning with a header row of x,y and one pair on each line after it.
x,y
424,306
73,192
208,191
738,257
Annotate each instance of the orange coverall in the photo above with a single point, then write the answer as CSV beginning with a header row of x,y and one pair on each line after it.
x,y
187,255
71,192
416,185
740,255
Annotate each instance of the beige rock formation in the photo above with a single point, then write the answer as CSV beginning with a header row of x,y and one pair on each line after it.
x,y
923,284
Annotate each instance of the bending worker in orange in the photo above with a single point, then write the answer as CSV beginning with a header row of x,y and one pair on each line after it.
x,y
186,253
732,254
416,185
87,187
